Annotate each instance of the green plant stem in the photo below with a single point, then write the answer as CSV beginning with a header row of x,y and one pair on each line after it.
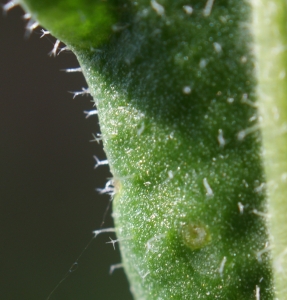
x,y
177,95
184,159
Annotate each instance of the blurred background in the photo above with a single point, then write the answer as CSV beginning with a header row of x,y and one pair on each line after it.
x,y
48,200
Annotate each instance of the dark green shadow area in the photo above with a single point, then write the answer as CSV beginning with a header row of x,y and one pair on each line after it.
x,y
81,24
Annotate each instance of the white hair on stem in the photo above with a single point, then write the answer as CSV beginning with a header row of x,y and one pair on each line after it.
x,y
84,91
72,70
44,32
89,113
158,8
96,138
115,267
8,6
221,267
208,8
53,52
100,162
31,25
209,191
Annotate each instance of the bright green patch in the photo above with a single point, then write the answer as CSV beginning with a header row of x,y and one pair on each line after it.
x,y
81,24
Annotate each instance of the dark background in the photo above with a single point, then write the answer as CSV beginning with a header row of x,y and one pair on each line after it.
x,y
48,203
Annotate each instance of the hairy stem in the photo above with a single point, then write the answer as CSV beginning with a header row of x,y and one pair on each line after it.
x,y
177,85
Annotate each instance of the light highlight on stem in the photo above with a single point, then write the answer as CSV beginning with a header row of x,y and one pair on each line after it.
x,y
270,34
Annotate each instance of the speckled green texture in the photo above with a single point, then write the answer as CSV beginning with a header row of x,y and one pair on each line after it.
x,y
176,95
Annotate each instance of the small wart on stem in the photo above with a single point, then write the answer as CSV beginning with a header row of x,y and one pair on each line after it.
x,y
195,235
